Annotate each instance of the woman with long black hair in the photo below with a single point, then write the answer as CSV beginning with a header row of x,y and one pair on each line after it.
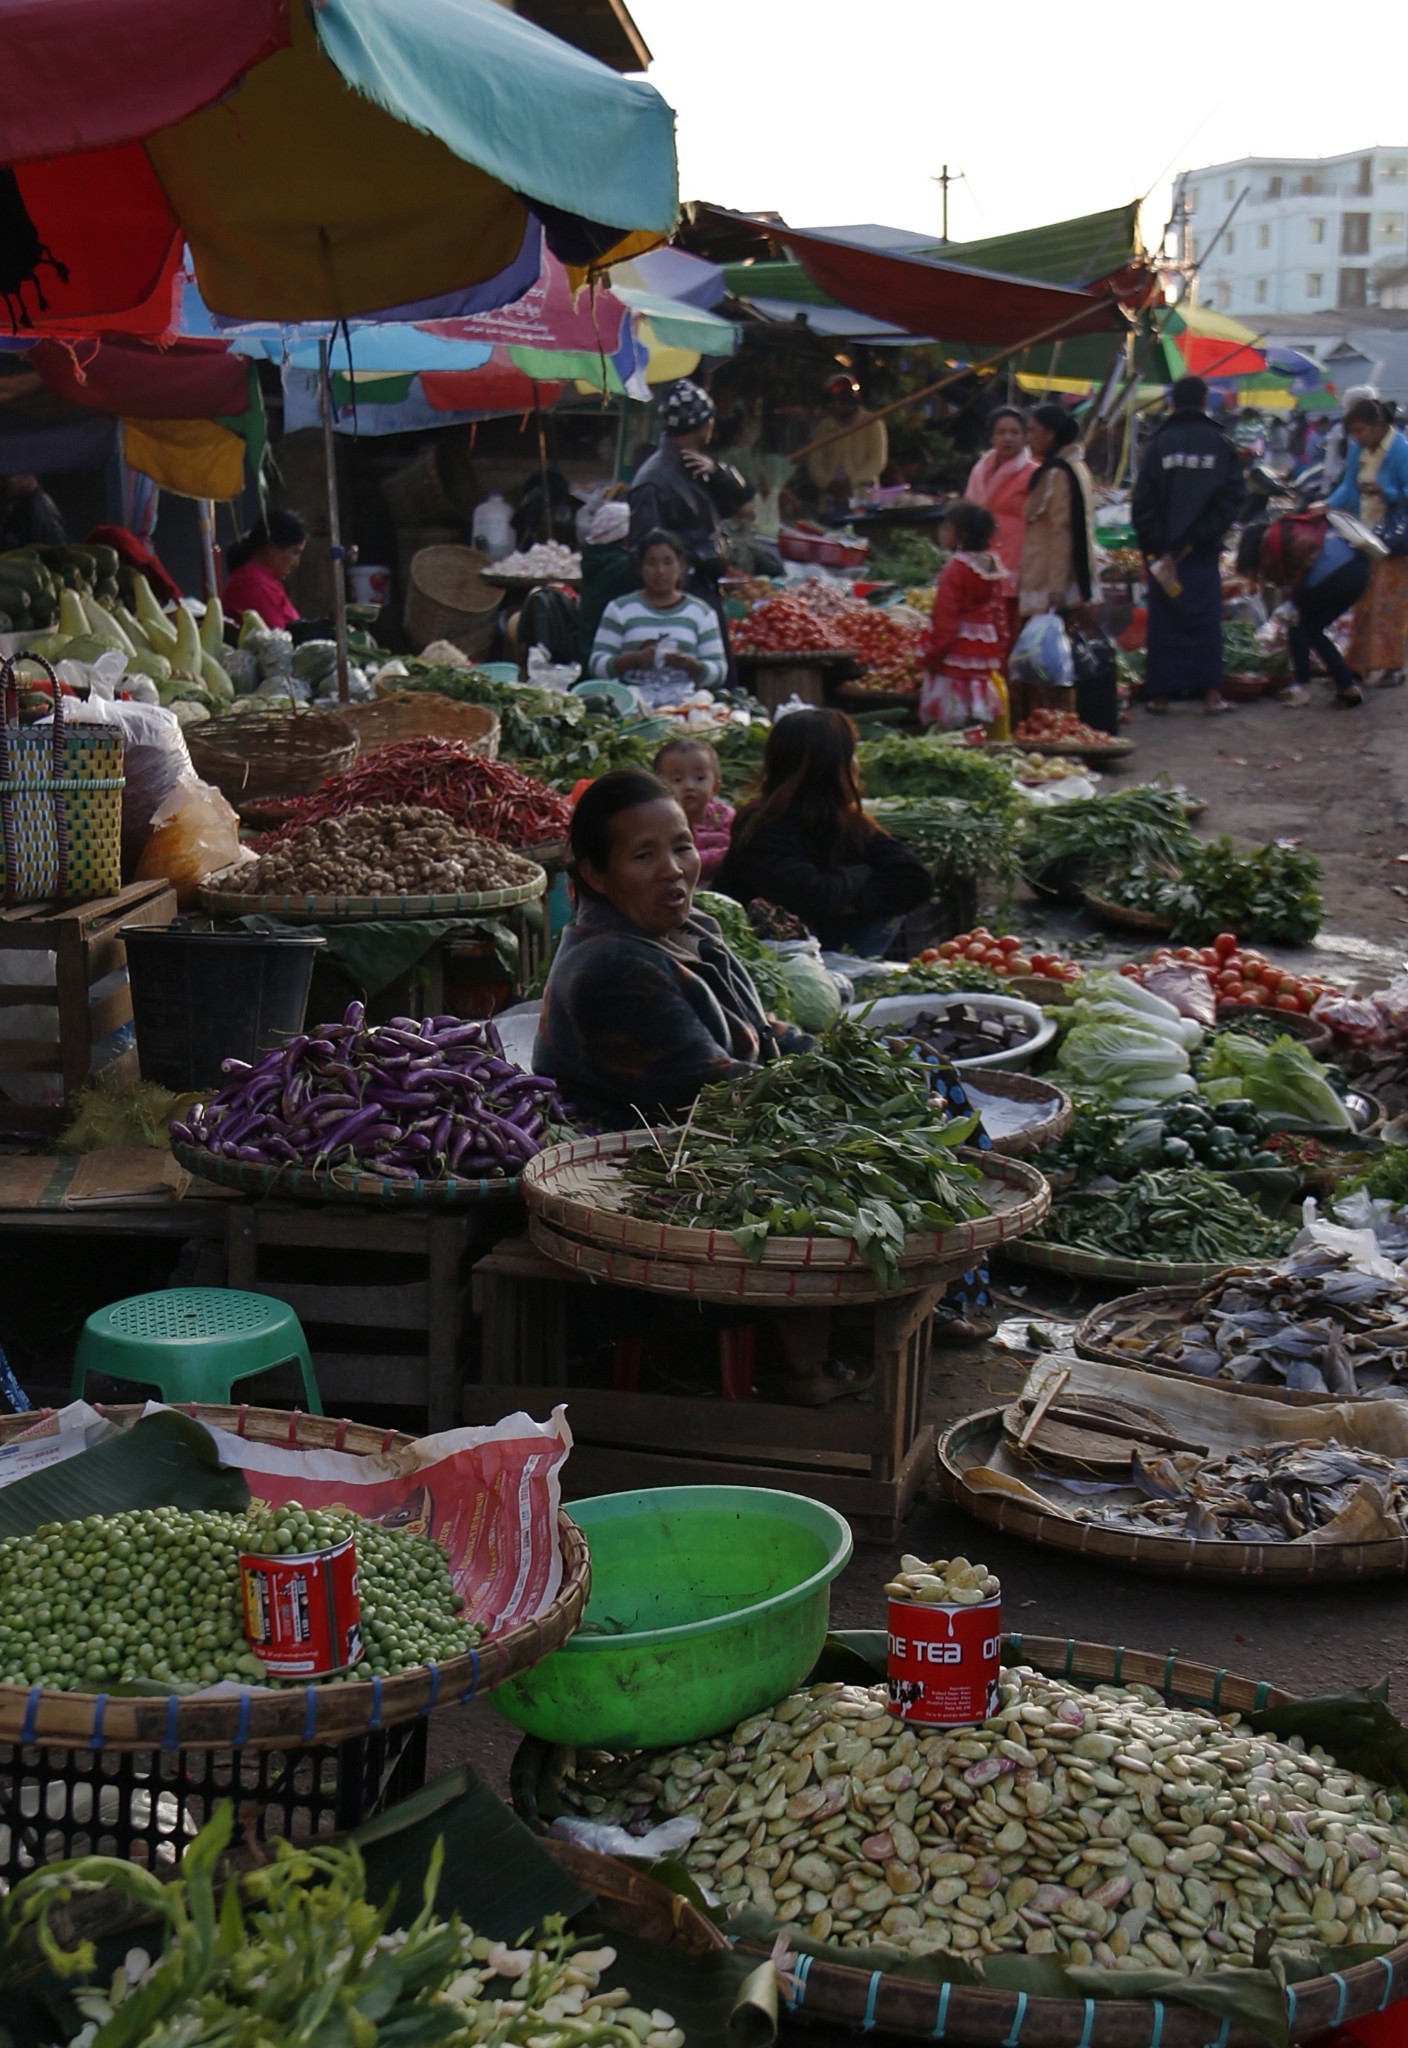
x,y
261,564
1058,553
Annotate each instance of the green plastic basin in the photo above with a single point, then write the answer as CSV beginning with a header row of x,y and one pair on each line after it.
x,y
707,1603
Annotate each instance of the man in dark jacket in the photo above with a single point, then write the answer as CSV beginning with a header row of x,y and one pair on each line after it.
x,y
1189,488
684,490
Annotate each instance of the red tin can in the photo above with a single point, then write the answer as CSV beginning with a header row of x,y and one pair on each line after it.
x,y
944,1662
303,1615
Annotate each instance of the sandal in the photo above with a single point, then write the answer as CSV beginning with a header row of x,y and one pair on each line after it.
x,y
834,1382
1387,679
1214,707
1347,700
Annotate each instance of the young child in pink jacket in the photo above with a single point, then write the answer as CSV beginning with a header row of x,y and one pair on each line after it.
x,y
691,767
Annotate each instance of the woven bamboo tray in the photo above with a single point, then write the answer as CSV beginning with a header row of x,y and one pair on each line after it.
x,y
575,1189
999,1081
222,900
1128,920
258,757
767,1286
301,1715
1111,749
343,1184
1062,1258
1316,1038
421,714
973,1440
1126,1330
857,1997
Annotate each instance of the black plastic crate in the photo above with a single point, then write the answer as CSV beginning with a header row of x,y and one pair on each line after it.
x,y
145,1805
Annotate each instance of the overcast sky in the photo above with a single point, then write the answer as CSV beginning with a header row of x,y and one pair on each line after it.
x,y
829,114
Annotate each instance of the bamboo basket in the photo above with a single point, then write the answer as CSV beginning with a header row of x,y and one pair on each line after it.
x,y
448,599
1318,1039
576,1189
1081,1265
1013,1087
342,1184
856,1996
421,714
972,1441
1126,1330
222,898
1127,920
261,756
299,1716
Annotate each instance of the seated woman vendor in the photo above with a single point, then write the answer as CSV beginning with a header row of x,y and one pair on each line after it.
x,y
659,640
645,1003
806,843
261,564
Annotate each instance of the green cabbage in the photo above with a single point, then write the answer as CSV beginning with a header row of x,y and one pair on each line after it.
x,y
1282,1079
816,1002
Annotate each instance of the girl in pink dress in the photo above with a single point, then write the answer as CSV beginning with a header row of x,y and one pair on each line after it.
x,y
691,767
966,639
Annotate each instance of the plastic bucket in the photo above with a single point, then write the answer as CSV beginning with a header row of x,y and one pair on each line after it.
x,y
199,998
369,583
707,1604
944,1662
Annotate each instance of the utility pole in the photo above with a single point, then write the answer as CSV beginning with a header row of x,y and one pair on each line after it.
x,y
946,178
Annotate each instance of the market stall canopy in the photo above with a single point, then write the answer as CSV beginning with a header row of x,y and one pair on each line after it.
x,y
926,297
435,179
1092,247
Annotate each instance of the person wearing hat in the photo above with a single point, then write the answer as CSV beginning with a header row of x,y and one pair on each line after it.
x,y
853,458
682,489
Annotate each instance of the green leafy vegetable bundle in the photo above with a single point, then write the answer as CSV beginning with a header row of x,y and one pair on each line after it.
x,y
762,963
1282,1080
960,840
1174,1214
1070,846
1269,894
1244,655
844,1141
935,767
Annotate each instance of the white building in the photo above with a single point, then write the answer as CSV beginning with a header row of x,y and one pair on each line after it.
x,y
1295,234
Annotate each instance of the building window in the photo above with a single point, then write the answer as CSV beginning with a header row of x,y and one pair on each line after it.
x,y
1390,227
1393,170
1273,188
1229,190
1354,234
1190,198
1261,291
1263,236
1231,239
1354,288
1315,284
1366,175
1317,230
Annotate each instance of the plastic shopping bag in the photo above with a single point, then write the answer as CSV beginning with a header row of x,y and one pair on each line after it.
x,y
1043,652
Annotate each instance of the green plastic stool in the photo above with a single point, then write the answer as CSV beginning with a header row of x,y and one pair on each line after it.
x,y
193,1343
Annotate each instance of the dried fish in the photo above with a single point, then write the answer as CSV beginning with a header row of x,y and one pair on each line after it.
x,y
1279,1493
1314,1322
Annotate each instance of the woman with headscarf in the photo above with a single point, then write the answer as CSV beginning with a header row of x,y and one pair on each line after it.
x,y
683,489
1058,546
1375,489
608,570
999,480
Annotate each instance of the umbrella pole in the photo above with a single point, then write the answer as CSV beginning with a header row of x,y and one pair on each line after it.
x,y
335,548
542,460
206,518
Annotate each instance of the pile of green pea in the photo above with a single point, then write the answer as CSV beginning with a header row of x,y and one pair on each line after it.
x,y
154,1596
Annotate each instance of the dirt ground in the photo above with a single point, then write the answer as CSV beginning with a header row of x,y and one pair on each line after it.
x,y
1338,782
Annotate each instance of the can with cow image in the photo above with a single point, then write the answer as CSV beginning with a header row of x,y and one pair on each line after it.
x,y
945,1652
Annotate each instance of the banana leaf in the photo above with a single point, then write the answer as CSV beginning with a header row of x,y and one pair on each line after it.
x,y
165,1460
1358,1728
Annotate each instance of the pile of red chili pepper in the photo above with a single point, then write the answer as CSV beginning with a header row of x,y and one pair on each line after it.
x,y
488,798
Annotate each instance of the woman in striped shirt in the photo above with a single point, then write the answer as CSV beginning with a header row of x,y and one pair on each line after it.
x,y
661,641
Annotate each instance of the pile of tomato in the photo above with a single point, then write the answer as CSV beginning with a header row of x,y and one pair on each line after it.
x,y
821,616
1046,727
1002,954
1241,975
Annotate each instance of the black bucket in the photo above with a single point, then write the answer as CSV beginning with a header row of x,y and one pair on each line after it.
x,y
201,997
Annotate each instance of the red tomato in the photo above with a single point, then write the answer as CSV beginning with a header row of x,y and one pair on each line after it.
x,y
1261,998
1017,963
1284,1002
1229,978
1010,944
1208,958
1225,945
1188,954
1270,977
1229,988
946,951
1247,1001
1129,968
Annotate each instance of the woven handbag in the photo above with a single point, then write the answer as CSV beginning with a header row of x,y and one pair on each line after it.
x,y
60,804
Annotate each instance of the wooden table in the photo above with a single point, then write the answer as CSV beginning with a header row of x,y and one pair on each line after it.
x,y
865,1457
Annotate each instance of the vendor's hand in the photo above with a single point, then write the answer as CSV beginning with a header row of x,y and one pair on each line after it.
x,y
698,463
688,663
636,657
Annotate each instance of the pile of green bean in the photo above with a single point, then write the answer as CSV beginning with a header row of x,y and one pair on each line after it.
x,y
847,1140
1176,1214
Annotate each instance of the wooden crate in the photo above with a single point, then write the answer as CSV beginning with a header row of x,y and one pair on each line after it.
x,y
864,1457
86,940
420,1320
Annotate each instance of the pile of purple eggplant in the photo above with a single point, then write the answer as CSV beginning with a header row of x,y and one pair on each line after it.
x,y
407,1101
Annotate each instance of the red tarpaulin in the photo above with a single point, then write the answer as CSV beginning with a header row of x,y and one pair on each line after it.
x,y
191,380
926,297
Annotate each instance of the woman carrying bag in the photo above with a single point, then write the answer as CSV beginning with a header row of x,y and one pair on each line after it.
x,y
1375,489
